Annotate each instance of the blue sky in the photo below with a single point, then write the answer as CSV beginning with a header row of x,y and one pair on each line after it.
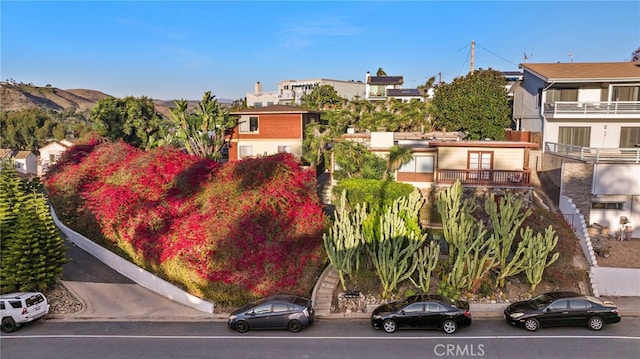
x,y
181,49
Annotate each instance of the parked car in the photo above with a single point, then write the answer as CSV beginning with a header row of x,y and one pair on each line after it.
x,y
275,312
23,307
427,311
562,309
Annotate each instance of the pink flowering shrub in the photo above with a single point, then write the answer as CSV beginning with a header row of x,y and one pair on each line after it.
x,y
228,232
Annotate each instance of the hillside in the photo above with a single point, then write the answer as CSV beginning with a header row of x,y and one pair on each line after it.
x,y
19,96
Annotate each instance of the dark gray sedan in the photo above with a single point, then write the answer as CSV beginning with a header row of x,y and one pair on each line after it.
x,y
277,312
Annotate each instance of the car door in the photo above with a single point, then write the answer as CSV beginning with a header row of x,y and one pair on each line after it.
x,y
259,317
434,316
280,313
555,313
579,311
411,315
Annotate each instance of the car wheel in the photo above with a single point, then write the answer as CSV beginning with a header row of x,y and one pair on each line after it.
x,y
449,326
294,326
242,326
9,325
389,326
596,323
532,324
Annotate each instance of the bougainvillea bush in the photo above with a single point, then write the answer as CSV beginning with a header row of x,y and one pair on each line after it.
x,y
225,232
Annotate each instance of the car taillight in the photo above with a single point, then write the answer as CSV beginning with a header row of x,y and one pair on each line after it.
x,y
614,311
24,311
467,314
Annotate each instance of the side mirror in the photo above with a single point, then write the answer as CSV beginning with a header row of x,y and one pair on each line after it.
x,y
251,313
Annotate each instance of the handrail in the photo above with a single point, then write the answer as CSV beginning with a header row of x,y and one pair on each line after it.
x,y
594,154
591,108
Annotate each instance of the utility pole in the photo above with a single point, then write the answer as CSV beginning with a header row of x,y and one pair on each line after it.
x,y
440,77
473,46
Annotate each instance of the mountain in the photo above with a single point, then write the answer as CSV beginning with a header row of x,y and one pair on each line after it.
x,y
19,96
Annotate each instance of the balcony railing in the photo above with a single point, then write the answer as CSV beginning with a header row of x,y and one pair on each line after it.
x,y
594,155
484,178
592,108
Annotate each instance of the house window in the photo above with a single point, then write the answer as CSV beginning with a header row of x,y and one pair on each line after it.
x,y
284,149
418,165
249,126
607,205
577,136
477,161
625,93
629,137
52,157
19,165
555,95
246,151
257,104
269,103
377,90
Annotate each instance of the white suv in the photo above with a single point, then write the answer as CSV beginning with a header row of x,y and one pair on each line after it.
x,y
19,308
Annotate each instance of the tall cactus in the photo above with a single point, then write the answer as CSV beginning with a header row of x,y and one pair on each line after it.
x,y
344,238
505,227
393,244
427,260
458,223
538,249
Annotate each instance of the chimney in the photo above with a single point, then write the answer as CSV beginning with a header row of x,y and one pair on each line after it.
x,y
258,87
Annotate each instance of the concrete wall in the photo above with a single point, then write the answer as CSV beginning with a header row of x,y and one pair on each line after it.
x,y
617,282
133,272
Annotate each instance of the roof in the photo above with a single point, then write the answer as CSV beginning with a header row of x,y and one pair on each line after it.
x,y
64,143
585,72
385,80
478,143
5,153
21,155
273,109
403,92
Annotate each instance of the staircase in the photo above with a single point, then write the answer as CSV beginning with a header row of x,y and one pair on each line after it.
x,y
323,291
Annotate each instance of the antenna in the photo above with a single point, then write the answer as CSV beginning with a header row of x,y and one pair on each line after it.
x,y
526,57
571,56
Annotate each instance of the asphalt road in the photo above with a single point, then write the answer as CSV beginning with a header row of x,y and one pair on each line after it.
x,y
325,339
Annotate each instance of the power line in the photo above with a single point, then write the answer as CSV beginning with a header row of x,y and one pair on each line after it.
x,y
493,53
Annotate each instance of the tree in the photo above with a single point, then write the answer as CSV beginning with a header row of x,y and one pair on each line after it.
x,y
381,72
33,253
476,104
321,97
355,161
134,120
397,157
25,129
204,132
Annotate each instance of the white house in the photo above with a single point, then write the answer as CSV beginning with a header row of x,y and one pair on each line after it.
x,y
589,117
51,153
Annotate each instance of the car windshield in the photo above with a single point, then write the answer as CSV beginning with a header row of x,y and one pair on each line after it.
x,y
541,300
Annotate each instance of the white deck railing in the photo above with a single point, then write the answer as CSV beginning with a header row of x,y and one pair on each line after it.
x,y
594,154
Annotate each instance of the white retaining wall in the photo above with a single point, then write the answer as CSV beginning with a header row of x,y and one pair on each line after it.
x,y
616,282
132,271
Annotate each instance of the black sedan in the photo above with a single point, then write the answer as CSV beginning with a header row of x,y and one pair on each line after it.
x,y
422,311
562,309
276,312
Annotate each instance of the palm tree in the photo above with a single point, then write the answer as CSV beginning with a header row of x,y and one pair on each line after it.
x,y
397,157
381,72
